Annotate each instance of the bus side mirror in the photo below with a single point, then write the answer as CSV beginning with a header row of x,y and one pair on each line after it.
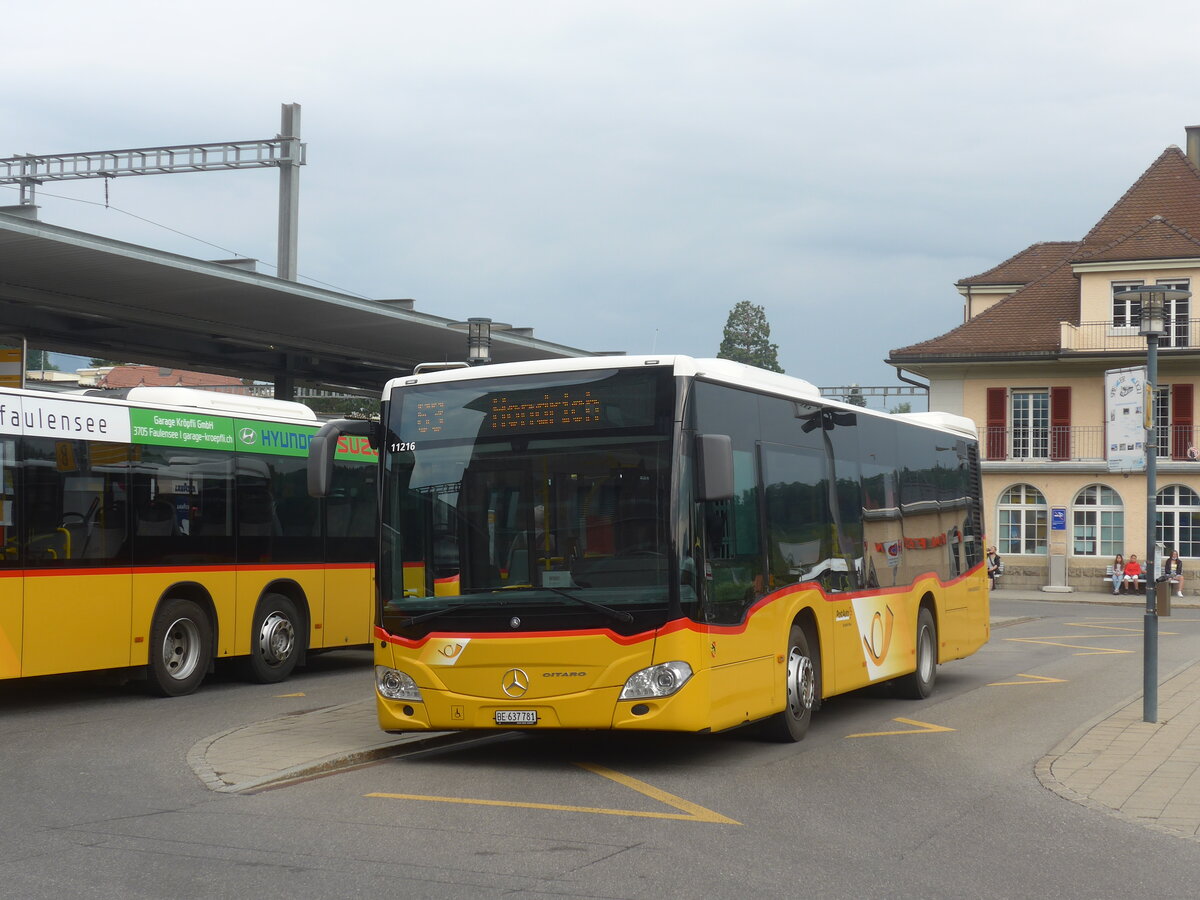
x,y
323,445
714,456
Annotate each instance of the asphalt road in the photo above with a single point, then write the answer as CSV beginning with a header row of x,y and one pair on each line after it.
x,y
100,802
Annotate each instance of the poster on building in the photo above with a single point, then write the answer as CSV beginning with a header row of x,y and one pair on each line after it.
x,y
1124,418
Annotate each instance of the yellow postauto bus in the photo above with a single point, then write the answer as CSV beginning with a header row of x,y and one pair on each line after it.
x,y
660,543
161,529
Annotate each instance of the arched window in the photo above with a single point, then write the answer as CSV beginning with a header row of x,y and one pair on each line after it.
x,y
1099,522
1178,522
1023,513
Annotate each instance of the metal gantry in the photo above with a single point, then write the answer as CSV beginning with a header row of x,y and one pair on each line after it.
x,y
285,152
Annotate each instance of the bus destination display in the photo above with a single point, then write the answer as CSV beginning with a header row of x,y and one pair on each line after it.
x,y
453,411
553,409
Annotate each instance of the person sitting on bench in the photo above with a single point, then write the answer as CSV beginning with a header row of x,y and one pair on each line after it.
x,y
1118,573
1173,571
1133,574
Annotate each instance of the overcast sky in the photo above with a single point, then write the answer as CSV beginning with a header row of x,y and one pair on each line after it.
x,y
618,175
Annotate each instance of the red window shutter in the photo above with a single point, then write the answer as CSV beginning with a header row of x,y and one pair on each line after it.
x,y
1181,420
997,422
1060,423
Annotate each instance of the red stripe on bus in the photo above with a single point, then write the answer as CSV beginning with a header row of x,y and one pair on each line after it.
x,y
176,570
680,624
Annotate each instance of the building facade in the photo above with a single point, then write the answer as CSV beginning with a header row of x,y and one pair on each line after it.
x,y
1028,365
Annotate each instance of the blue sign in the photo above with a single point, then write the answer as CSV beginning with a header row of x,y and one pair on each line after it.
x,y
1058,518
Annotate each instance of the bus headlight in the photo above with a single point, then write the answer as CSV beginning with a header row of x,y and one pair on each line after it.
x,y
396,685
662,680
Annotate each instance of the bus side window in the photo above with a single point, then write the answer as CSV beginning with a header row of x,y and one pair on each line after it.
x,y
350,512
734,574
9,507
67,489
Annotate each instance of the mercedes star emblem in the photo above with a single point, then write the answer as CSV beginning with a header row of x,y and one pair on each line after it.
x,y
514,683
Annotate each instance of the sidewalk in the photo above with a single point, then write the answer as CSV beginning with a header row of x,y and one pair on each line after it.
x,y
1144,772
1147,773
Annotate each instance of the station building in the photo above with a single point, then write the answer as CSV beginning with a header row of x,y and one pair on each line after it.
x,y
1028,365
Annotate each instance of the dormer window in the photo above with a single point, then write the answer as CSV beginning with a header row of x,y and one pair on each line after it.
x,y
1126,311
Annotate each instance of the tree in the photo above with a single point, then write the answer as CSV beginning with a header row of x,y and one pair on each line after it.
x,y
901,408
747,338
855,396
342,406
39,360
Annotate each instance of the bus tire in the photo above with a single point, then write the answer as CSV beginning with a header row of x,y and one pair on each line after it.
x,y
180,647
919,684
274,640
803,689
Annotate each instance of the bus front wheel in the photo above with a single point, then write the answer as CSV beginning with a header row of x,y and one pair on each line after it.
x,y
802,689
274,640
180,647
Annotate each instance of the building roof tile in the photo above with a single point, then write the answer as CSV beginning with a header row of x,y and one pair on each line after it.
x,y
1027,265
1169,188
1154,219
1153,239
137,376
1027,321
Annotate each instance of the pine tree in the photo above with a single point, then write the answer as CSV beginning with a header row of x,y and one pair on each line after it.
x,y
747,338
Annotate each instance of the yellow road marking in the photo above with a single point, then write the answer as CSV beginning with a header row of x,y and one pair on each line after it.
x,y
1102,623
1033,679
285,696
922,728
1092,651
689,812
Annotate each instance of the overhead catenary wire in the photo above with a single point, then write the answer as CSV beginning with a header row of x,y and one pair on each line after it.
x,y
191,237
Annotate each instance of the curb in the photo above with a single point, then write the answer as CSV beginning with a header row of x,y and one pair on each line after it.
x,y
197,756
1043,768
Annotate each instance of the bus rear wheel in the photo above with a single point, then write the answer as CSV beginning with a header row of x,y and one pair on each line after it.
x,y
180,647
919,684
274,640
803,691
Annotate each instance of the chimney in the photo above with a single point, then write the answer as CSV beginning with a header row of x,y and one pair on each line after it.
x,y
1193,144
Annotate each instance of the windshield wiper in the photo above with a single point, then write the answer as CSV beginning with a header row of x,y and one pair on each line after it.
x,y
438,613
619,615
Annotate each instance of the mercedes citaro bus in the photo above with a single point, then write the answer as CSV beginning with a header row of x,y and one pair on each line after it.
x,y
659,543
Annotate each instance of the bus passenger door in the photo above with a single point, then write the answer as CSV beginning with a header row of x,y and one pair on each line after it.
x,y
11,582
74,529
11,599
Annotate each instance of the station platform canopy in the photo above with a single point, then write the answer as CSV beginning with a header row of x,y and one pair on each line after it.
x,y
71,292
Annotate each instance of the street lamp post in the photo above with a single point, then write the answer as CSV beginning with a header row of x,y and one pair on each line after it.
x,y
1154,299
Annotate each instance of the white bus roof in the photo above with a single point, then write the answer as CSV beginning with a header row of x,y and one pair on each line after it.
x,y
184,398
216,400
721,370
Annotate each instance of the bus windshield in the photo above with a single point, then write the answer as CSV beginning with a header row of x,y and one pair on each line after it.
x,y
540,499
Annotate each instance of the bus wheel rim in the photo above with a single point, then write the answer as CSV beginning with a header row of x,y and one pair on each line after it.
x,y
181,648
802,683
276,638
925,654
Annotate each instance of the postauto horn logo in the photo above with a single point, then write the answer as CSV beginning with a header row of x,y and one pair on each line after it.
x,y
248,436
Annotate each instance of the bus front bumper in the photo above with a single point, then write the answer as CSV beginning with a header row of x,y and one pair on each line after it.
x,y
595,709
